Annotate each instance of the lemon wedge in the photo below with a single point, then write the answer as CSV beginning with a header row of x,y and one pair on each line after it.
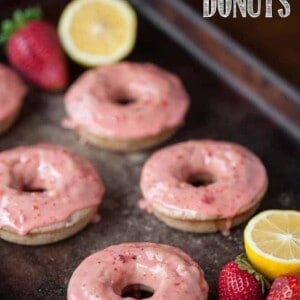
x,y
272,242
97,32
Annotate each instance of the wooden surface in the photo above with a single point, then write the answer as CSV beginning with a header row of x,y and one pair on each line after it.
x,y
217,112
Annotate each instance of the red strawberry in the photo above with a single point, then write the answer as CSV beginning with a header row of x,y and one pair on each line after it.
x,y
285,288
33,48
239,281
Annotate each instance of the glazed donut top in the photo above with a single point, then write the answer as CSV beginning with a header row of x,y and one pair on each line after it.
x,y
168,271
44,184
236,178
12,91
160,101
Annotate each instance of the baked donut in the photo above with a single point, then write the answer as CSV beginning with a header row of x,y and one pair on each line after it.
x,y
47,193
203,186
123,271
126,106
12,93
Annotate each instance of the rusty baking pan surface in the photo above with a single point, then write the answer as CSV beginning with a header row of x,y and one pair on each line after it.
x,y
217,112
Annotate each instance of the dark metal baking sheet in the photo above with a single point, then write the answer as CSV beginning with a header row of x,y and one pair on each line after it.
x,y
275,41
217,112
212,47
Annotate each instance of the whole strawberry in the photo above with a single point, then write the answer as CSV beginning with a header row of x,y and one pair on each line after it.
x,y
239,281
285,288
33,48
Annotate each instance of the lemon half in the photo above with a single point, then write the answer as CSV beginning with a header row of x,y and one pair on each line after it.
x,y
97,32
272,242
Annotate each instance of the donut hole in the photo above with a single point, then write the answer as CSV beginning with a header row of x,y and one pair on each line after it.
x,y
137,291
29,189
125,101
27,184
200,179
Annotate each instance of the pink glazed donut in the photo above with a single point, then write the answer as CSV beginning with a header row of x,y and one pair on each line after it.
x,y
126,106
12,93
203,186
122,271
47,193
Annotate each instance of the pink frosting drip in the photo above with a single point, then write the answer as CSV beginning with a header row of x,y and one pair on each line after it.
x,y
12,92
67,183
238,178
170,272
160,101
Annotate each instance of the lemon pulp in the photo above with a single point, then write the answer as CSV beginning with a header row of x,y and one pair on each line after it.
x,y
272,242
95,32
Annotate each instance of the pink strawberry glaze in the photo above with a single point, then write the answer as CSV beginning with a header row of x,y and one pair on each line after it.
x,y
160,101
12,92
170,272
70,183
238,178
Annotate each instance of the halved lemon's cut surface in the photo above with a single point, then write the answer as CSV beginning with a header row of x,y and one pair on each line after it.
x,y
272,242
97,32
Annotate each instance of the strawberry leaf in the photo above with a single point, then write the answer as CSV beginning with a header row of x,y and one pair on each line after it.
x,y
19,19
7,28
244,264
33,13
